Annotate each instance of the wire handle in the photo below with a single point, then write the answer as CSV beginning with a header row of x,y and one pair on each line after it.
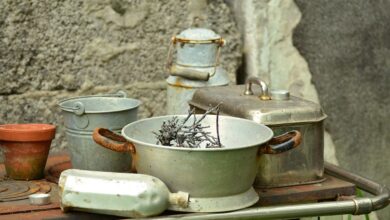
x,y
79,108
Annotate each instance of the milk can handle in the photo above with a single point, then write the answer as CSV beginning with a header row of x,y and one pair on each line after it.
x,y
282,143
110,140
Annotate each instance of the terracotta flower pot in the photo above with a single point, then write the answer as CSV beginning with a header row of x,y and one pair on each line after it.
x,y
26,147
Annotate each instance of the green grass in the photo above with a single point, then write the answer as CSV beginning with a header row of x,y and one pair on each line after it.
x,y
359,194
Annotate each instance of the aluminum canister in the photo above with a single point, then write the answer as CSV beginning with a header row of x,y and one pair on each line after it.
x,y
196,66
281,112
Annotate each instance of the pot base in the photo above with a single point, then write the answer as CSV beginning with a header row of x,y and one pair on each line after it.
x,y
219,204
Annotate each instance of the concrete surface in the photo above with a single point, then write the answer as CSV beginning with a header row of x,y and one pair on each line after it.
x,y
346,44
50,50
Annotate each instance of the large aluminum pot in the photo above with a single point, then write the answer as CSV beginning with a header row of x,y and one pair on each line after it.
x,y
218,179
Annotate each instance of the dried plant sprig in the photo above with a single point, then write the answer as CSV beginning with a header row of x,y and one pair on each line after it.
x,y
175,132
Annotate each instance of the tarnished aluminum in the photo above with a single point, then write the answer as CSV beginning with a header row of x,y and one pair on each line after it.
x,y
120,194
218,179
82,115
197,47
196,66
303,165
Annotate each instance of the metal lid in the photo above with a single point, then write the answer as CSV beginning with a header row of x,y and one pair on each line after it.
x,y
201,34
293,110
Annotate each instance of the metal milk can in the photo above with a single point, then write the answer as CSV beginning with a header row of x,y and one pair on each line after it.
x,y
196,66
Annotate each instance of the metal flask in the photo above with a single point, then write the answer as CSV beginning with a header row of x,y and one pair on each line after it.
x,y
120,194
196,66
281,112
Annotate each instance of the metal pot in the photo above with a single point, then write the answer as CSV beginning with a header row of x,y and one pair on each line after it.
x,y
281,112
217,179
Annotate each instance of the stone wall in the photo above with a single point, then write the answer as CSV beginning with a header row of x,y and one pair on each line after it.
x,y
347,46
50,50
335,53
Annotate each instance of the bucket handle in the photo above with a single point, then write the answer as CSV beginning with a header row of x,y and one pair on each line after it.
x,y
282,143
79,107
113,141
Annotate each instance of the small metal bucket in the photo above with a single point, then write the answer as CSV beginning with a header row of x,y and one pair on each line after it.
x,y
82,115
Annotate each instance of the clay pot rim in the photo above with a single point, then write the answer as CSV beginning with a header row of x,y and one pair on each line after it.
x,y
27,132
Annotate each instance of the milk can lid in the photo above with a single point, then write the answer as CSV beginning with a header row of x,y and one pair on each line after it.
x,y
198,34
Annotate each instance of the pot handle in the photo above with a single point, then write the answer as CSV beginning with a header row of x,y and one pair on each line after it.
x,y
282,143
110,140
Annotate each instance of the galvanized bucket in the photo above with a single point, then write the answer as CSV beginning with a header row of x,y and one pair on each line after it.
x,y
82,115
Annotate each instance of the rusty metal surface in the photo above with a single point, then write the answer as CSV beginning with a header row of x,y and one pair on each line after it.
x,y
55,166
12,209
14,195
18,195
55,214
331,189
18,190
12,188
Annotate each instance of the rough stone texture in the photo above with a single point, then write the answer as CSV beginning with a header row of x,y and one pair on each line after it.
x,y
346,44
51,50
267,28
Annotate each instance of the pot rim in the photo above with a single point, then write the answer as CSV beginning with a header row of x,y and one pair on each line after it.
x,y
27,132
134,141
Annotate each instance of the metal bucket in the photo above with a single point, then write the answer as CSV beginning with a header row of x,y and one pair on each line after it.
x,y
82,115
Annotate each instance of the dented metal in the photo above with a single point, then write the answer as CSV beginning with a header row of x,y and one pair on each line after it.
x,y
119,194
